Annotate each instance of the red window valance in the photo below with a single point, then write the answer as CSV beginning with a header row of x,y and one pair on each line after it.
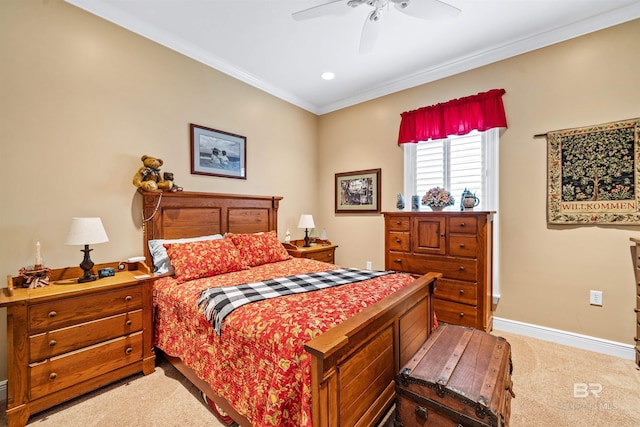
x,y
456,117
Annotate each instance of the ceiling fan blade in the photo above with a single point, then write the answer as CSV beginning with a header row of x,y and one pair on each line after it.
x,y
335,7
427,9
370,31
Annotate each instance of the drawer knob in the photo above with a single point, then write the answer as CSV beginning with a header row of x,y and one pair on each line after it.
x,y
398,223
461,314
129,350
461,268
128,298
52,314
53,376
637,310
52,343
462,224
398,240
128,323
462,245
421,412
461,291
398,260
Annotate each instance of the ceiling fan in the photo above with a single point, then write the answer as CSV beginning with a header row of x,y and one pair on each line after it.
x,y
423,9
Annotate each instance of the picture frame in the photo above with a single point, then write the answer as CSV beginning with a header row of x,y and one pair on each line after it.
x,y
217,153
593,175
358,191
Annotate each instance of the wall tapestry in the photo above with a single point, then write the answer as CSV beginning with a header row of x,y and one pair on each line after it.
x,y
593,174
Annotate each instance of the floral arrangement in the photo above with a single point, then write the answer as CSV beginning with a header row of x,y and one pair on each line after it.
x,y
438,197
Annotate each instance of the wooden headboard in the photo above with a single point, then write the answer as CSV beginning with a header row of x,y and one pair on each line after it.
x,y
168,215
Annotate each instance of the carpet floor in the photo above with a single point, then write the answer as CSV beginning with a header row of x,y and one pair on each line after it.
x,y
555,385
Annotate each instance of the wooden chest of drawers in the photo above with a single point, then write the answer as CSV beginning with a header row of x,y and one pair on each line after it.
x,y
67,338
460,377
456,244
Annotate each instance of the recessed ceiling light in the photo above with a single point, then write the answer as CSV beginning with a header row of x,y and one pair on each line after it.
x,y
328,75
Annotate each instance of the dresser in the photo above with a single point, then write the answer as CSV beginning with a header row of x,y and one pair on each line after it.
x,y
637,308
69,338
456,244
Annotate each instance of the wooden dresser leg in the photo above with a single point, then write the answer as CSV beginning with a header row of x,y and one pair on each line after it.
x,y
18,416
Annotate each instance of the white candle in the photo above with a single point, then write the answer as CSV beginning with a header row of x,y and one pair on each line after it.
x,y
38,257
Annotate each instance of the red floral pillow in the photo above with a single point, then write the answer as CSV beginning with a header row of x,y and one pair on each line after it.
x,y
259,248
193,260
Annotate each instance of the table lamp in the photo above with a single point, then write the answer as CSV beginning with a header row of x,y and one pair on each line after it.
x,y
86,231
306,222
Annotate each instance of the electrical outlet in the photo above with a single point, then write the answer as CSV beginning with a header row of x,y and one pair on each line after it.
x,y
595,298
368,265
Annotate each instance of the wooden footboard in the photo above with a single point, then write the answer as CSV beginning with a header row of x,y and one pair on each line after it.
x,y
354,365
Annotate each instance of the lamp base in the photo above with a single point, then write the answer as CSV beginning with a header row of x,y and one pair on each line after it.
x,y
87,278
86,265
306,238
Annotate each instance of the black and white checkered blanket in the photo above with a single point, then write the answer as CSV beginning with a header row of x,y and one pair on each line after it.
x,y
220,302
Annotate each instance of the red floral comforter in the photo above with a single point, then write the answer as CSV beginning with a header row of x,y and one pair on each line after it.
x,y
258,363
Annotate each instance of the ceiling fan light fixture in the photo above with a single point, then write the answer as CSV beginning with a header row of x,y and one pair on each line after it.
x,y
328,75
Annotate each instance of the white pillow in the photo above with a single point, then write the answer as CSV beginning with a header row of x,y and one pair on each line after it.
x,y
161,262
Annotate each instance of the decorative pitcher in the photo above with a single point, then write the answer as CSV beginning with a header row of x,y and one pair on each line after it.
x,y
468,200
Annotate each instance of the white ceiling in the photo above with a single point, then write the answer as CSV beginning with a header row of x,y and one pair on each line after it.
x,y
258,42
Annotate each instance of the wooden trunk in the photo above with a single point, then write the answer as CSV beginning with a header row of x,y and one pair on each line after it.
x,y
460,377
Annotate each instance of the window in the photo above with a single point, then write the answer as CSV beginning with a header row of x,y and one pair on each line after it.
x,y
469,161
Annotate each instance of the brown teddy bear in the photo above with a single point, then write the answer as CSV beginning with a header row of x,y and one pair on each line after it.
x,y
149,177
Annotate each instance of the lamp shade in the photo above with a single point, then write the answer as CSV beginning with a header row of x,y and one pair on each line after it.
x,y
306,221
86,231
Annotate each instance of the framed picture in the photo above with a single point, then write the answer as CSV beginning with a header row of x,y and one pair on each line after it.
x,y
358,192
218,153
594,175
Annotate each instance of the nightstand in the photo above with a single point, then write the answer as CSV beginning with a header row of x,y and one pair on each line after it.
x,y
69,338
322,250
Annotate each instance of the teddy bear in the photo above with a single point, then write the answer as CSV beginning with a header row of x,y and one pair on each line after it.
x,y
149,177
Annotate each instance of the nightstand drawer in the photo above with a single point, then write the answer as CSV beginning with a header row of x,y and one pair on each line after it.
x,y
53,343
74,310
324,256
63,371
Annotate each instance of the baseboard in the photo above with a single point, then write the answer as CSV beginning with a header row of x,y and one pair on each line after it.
x,y
585,342
3,390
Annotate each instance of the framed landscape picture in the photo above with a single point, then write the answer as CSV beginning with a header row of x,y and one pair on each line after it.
x,y
218,153
358,191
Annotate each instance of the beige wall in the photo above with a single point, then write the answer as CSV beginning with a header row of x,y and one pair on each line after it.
x,y
82,99
546,272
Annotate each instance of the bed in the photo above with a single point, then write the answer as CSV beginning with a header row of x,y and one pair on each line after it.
x,y
349,369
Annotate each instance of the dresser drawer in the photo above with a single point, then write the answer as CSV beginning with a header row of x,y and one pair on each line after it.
x,y
49,344
455,313
463,224
73,310
69,369
398,223
398,241
465,245
452,290
451,268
